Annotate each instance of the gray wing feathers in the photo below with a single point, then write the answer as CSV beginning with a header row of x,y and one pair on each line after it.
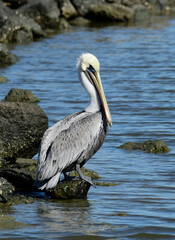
x,y
51,133
69,144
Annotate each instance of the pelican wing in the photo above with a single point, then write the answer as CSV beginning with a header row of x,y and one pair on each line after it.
x,y
70,144
51,133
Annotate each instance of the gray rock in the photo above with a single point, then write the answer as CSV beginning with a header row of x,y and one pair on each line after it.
x,y
82,6
15,3
130,3
20,180
150,146
63,24
15,27
74,189
6,57
68,11
21,95
6,190
3,163
111,12
21,129
141,13
44,12
80,21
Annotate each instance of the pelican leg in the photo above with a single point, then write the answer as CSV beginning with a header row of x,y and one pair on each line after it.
x,y
86,178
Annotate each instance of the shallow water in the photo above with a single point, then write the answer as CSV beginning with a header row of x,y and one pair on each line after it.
x,y
138,75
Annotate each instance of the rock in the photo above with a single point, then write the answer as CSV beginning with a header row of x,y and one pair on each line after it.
x,y
21,174
130,3
86,172
6,58
63,24
26,166
111,12
3,163
20,180
74,189
15,27
21,129
3,79
82,6
105,184
21,95
80,21
15,3
150,146
141,13
68,11
6,190
44,12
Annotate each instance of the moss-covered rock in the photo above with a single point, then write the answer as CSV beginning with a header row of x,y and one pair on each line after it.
x,y
74,189
86,172
9,222
3,79
6,57
21,95
6,190
22,126
150,146
105,184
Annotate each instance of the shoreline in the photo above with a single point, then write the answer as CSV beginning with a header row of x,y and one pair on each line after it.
x,y
28,20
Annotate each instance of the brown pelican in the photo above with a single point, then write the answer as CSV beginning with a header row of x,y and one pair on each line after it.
x,y
72,141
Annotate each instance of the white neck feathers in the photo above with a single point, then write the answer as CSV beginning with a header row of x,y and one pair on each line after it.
x,y
95,103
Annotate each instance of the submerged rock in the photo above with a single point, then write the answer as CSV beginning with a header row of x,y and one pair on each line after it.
x,y
105,184
150,146
3,79
21,95
6,57
22,126
74,189
6,190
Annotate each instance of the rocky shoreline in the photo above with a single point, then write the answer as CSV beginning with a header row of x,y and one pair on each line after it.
x,y
23,21
22,125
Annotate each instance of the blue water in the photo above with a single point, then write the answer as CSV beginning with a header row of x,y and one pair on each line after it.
x,y
138,76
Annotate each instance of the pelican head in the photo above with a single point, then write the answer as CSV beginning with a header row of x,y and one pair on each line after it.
x,y
88,68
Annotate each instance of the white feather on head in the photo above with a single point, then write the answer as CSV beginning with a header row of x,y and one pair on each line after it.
x,y
87,59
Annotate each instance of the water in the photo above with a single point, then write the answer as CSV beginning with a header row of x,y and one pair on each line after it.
x,y
138,75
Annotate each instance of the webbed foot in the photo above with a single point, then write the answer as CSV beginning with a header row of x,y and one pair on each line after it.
x,y
83,177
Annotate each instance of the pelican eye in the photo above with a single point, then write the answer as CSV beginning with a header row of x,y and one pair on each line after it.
x,y
88,72
90,68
